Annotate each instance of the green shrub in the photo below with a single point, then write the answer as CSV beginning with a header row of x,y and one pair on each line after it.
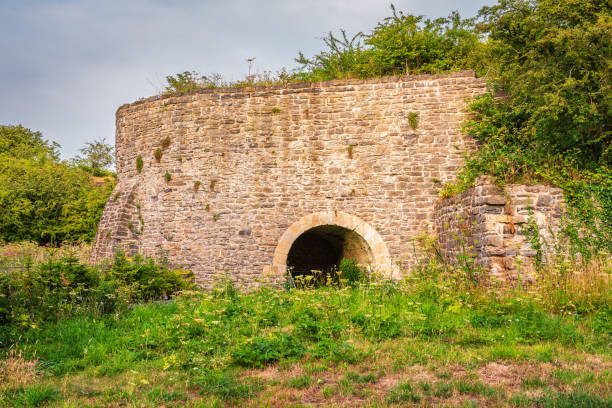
x,y
184,82
61,288
413,120
145,279
400,44
49,291
351,272
39,395
41,198
139,164
261,351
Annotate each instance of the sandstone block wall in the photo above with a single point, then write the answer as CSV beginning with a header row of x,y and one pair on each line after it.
x,y
240,167
492,222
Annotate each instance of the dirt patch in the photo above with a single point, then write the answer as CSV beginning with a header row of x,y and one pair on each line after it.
x,y
505,375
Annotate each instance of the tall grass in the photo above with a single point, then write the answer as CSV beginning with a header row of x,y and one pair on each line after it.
x,y
20,255
437,315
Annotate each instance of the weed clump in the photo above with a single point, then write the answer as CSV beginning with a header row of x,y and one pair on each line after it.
x,y
165,142
157,154
261,351
413,120
349,150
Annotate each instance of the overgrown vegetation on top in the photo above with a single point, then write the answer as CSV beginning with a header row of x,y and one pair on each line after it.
x,y
47,200
550,64
399,45
548,115
438,337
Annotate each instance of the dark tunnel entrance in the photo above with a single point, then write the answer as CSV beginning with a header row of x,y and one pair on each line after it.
x,y
319,250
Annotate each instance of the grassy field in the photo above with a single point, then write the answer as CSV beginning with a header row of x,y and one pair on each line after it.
x,y
425,341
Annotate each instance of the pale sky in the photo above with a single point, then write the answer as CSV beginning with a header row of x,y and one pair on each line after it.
x,y
67,65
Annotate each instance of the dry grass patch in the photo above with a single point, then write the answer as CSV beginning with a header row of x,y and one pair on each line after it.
x,y
16,371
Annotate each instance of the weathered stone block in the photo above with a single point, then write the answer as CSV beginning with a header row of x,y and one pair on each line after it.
x,y
496,200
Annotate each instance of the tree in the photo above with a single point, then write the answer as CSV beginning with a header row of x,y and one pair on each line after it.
x,y
553,62
20,142
97,156
44,199
401,44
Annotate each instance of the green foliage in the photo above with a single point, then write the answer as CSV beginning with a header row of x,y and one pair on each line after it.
x,y
42,199
168,177
400,44
183,82
139,163
57,289
22,143
403,393
145,279
405,43
157,154
413,120
588,222
261,351
189,81
51,290
552,61
209,338
349,150
225,386
300,382
549,67
37,395
97,156
577,399
351,272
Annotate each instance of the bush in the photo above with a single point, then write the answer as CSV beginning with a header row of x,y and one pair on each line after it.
x,y
60,288
145,279
41,198
401,44
351,272
261,351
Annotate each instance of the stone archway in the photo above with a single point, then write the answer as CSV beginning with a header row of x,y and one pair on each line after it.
x,y
361,241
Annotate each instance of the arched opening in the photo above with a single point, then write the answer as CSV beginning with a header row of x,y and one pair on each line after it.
x,y
342,234
318,251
